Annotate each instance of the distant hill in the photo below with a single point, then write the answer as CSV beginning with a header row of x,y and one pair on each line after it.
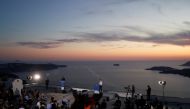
x,y
161,68
186,64
168,70
24,67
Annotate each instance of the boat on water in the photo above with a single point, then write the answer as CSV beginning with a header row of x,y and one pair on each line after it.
x,y
116,64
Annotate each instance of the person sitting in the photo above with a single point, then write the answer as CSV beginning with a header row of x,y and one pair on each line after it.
x,y
117,104
65,103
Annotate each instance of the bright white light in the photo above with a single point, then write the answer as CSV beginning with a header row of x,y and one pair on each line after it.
x,y
37,77
162,83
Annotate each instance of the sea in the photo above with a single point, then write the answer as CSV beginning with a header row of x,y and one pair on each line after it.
x,y
85,74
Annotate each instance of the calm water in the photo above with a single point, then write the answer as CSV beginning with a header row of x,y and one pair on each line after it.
x,y
86,74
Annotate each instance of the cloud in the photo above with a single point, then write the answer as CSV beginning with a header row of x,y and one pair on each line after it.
x,y
102,12
117,2
155,45
137,29
47,44
180,39
68,40
186,22
40,45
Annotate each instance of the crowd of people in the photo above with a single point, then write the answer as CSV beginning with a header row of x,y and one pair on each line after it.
x,y
14,100
135,101
34,99
142,103
28,98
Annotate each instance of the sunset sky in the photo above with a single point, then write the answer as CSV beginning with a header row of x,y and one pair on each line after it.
x,y
95,29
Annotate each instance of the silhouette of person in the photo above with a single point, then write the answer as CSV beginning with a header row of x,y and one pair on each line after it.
x,y
117,104
128,89
148,91
47,84
133,91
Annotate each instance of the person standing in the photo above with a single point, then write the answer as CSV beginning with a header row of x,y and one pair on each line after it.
x,y
133,91
62,83
148,92
47,84
96,89
100,86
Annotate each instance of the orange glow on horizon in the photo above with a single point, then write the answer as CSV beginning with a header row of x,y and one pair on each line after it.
x,y
97,52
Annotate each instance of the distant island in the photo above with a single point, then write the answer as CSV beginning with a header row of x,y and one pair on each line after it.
x,y
186,64
169,70
24,67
